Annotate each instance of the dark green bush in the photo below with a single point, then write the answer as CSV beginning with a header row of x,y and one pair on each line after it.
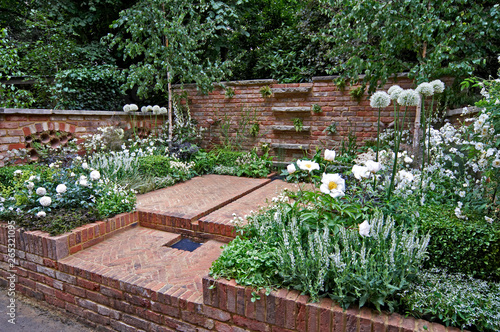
x,y
158,166
90,88
470,247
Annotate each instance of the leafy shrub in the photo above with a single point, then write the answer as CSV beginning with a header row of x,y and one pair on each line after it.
x,y
454,299
155,165
89,88
470,247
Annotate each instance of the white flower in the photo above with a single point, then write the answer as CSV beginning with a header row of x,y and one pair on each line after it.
x,y
307,165
461,193
156,109
85,165
438,86
380,99
364,228
144,109
332,184
61,188
32,178
163,110
95,175
41,214
83,181
41,191
45,201
126,108
408,160
394,91
31,185
133,107
72,174
18,172
408,97
425,89
373,166
329,155
496,163
149,108
360,172
291,168
488,219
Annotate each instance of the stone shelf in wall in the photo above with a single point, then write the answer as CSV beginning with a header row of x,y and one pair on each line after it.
x,y
290,128
278,92
289,146
291,109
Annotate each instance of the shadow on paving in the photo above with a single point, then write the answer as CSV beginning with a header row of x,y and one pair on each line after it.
x,y
36,316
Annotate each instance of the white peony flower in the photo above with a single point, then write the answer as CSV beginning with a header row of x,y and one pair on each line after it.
x,y
45,201
41,191
332,184
364,228
85,165
95,175
61,188
41,214
380,99
83,181
31,185
291,168
438,86
307,165
360,172
425,89
408,97
373,166
329,155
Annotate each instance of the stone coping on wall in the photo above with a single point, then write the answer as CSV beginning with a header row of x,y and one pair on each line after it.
x,y
35,111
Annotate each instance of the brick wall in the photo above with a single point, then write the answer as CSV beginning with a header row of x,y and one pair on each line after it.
x,y
19,126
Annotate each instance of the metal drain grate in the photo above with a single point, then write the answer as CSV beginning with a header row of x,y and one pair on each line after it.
x,y
186,245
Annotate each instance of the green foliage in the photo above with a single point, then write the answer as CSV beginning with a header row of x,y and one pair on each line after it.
x,y
331,129
229,92
358,93
470,247
425,38
266,91
165,40
235,133
454,299
93,88
254,129
298,124
316,108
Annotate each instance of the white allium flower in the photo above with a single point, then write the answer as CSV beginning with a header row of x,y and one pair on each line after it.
x,y
291,168
45,201
380,99
332,184
85,165
425,89
61,188
156,109
360,172
149,108
41,191
31,185
438,86
95,175
133,107
163,110
144,109
329,155
41,214
307,165
394,91
126,108
408,97
364,228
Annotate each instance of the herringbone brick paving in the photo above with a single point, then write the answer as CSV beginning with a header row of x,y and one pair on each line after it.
x,y
140,254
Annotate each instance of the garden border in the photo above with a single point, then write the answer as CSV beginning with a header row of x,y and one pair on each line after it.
x,y
114,303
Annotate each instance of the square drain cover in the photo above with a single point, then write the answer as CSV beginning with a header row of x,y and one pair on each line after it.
x,y
186,245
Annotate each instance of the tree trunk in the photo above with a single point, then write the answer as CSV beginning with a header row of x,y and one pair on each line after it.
x,y
170,124
416,136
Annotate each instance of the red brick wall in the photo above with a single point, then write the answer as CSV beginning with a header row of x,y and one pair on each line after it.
x,y
337,106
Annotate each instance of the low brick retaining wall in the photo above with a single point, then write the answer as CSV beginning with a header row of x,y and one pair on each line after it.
x,y
110,303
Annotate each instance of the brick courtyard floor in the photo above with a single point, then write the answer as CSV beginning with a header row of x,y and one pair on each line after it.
x,y
141,256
